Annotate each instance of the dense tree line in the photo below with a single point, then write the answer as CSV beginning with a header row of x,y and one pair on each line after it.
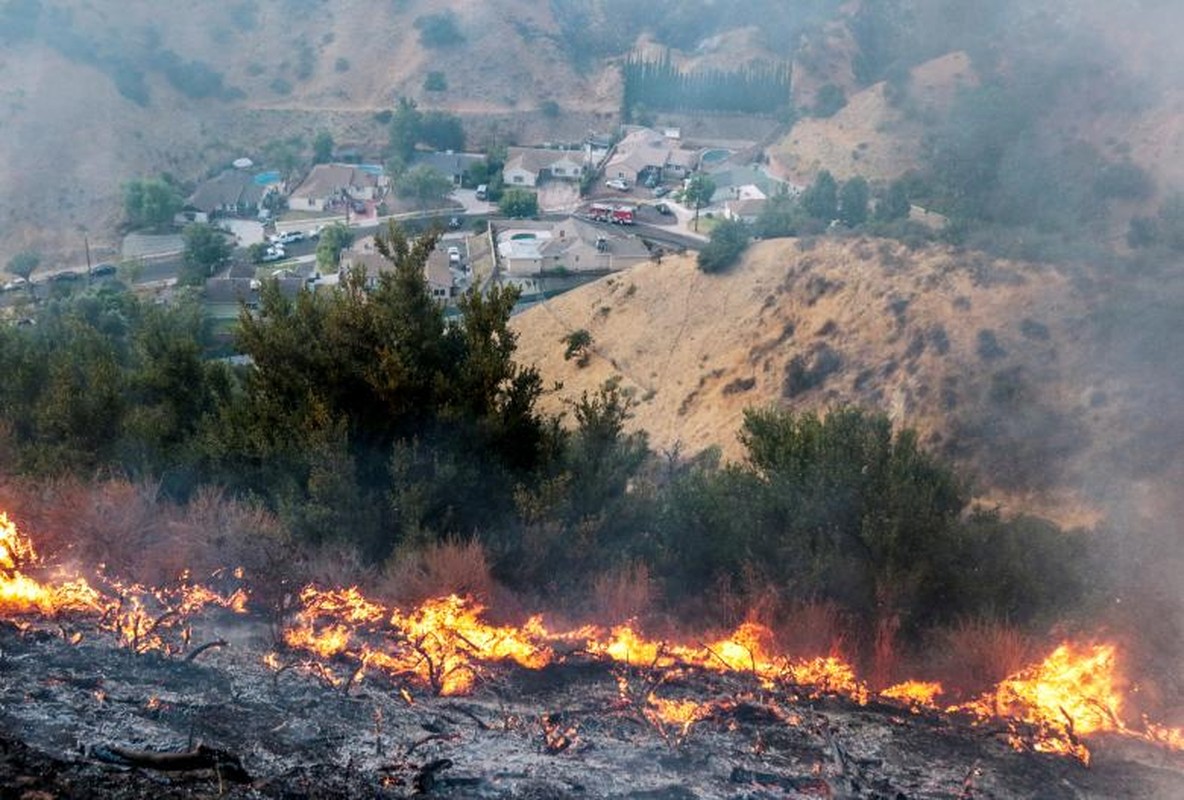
x,y
594,29
660,85
367,418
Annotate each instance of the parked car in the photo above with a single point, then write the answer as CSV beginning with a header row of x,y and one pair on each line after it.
x,y
482,191
661,191
454,255
287,237
273,253
620,184
66,275
16,283
662,208
102,270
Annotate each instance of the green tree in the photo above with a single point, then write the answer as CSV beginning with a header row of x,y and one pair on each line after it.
x,y
584,518
821,198
322,148
439,30
256,252
392,425
519,203
440,130
334,239
829,101
406,124
853,511
728,241
423,183
894,204
284,155
853,202
23,263
435,82
151,203
780,216
206,249
578,346
173,391
698,193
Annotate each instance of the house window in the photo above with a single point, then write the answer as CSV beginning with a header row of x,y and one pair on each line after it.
x,y
517,179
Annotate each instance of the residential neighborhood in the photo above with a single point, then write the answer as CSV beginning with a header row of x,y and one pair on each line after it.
x,y
598,200
568,244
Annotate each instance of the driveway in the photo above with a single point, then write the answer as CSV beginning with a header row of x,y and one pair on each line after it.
x,y
472,206
245,231
141,245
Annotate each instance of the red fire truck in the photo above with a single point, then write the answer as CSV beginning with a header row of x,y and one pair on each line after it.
x,y
623,215
601,212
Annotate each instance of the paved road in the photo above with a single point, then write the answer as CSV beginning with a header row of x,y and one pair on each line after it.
x,y
162,270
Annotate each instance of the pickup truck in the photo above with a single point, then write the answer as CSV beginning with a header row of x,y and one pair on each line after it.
x,y
287,237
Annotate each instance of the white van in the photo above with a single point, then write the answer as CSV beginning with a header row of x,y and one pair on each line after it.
x,y
482,191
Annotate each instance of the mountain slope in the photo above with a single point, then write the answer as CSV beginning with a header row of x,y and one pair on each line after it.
x,y
989,360
99,93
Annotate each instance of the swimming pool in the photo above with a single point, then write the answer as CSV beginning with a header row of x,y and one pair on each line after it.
x,y
714,156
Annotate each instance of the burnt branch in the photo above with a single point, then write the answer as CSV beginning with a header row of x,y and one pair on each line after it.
x,y
225,764
207,646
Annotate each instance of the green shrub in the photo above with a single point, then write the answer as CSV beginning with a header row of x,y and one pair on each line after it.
x,y
728,241
439,30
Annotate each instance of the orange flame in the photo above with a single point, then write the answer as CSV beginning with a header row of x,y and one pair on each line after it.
x,y
913,693
1079,690
21,594
137,615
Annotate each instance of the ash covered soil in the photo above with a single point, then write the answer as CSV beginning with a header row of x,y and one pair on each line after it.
x,y
80,717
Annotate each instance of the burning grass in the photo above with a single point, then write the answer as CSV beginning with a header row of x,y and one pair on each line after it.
x,y
446,646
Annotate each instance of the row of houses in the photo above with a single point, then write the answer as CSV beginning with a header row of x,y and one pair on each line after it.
x,y
241,193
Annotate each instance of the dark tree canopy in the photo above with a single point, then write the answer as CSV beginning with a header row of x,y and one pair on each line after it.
x,y
728,240
206,249
853,202
519,203
345,379
821,198
151,202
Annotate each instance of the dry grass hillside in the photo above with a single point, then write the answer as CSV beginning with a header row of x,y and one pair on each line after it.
x,y
70,138
989,360
870,136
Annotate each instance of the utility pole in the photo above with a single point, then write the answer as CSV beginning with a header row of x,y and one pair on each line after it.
x,y
86,245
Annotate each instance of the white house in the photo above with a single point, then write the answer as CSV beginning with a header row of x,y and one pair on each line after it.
x,y
526,166
643,151
327,184
569,245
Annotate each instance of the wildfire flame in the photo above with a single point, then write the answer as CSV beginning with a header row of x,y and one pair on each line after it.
x,y
1079,690
139,616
